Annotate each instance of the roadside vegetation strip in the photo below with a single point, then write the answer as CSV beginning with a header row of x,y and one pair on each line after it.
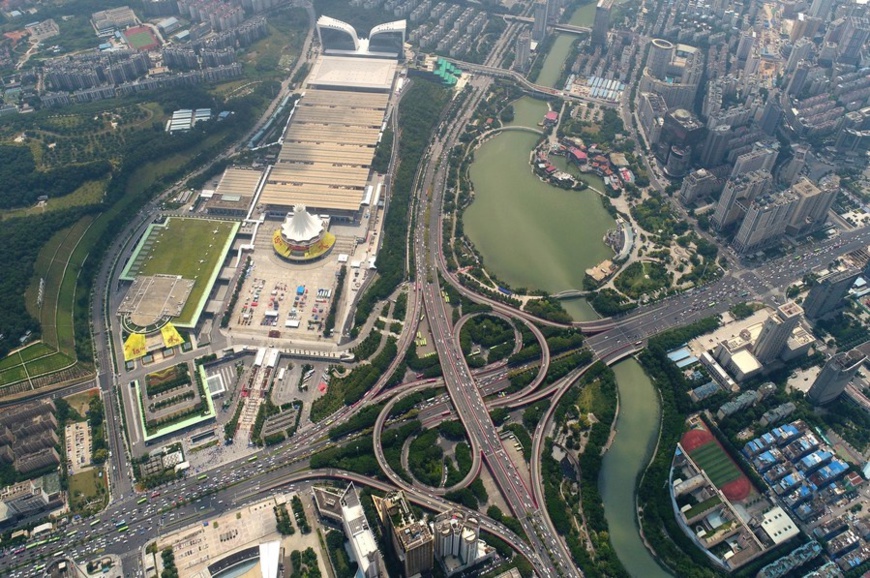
x,y
66,296
49,266
419,111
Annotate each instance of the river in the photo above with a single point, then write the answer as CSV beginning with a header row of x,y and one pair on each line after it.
x,y
637,431
554,61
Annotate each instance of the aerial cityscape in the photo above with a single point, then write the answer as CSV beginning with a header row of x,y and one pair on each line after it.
x,y
401,288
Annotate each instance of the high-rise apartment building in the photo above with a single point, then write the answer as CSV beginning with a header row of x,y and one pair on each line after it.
x,y
852,40
539,26
523,51
811,210
835,376
761,158
739,191
411,538
457,541
602,22
553,7
776,331
765,222
828,292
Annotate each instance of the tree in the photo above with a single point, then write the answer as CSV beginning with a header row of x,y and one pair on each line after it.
x,y
100,456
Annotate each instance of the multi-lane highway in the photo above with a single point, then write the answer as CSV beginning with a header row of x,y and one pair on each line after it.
x,y
766,281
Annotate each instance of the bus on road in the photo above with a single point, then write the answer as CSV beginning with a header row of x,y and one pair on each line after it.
x,y
142,500
202,477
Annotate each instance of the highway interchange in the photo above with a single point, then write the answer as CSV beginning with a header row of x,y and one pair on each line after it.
x,y
238,482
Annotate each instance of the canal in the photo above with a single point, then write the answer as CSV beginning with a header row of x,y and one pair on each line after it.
x,y
637,429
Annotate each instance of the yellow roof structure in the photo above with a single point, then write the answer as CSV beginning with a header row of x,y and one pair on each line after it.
x,y
134,347
170,335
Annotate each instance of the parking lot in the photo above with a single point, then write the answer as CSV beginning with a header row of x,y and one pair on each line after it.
x,y
78,447
290,301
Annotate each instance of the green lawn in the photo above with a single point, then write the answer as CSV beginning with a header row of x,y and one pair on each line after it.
x,y
11,360
642,277
53,265
192,248
715,462
87,491
38,349
698,508
90,193
12,375
48,364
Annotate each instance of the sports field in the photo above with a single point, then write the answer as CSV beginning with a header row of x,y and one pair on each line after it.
x,y
716,463
141,38
191,248
713,460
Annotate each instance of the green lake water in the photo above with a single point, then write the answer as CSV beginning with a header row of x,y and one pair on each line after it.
x,y
529,112
532,234
580,310
637,431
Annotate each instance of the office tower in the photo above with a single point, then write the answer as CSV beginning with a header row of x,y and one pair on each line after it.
x,y
698,184
523,51
651,111
828,292
602,22
765,222
678,161
715,145
835,376
674,72
776,331
853,38
761,158
661,53
457,540
742,187
411,539
813,203
539,27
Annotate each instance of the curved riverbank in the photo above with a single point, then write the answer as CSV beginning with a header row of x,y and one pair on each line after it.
x,y
637,432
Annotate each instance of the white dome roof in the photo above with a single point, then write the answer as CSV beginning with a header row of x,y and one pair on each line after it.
x,y
302,226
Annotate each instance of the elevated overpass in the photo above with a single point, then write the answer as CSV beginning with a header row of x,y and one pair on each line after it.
x,y
569,28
